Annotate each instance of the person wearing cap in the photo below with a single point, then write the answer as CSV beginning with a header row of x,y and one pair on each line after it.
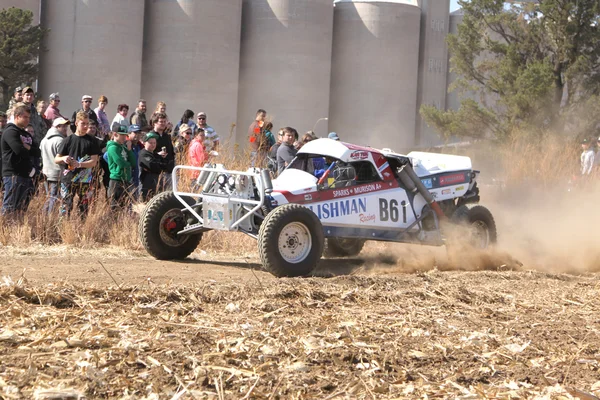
x,y
77,156
52,112
333,136
86,107
135,132
17,97
120,118
49,148
586,158
211,141
103,124
152,165
120,164
184,139
139,116
39,126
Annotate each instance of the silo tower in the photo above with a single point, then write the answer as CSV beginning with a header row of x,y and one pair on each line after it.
x,y
94,47
375,72
191,58
285,63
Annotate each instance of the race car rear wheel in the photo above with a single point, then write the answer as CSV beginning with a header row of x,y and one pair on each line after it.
x,y
340,247
290,241
159,224
481,227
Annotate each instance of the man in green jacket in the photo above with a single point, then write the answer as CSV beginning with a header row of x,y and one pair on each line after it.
x,y
121,161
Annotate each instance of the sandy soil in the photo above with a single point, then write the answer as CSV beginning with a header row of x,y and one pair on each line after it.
x,y
116,324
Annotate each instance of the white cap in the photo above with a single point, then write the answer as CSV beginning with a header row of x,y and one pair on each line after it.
x,y
59,121
86,97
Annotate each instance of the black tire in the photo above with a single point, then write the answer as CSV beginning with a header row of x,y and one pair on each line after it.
x,y
287,226
480,221
340,247
160,242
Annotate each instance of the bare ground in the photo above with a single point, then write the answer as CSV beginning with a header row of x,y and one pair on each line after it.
x,y
118,324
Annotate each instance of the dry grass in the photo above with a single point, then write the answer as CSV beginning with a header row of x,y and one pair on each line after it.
x,y
427,335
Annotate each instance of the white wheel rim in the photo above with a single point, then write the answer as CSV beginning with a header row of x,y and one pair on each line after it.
x,y
295,242
480,235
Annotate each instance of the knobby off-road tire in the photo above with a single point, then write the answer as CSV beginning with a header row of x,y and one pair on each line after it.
x,y
159,223
290,241
340,247
480,224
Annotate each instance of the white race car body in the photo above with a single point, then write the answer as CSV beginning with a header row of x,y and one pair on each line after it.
x,y
375,205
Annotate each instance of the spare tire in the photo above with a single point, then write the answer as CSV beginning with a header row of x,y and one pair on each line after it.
x,y
340,247
159,224
290,241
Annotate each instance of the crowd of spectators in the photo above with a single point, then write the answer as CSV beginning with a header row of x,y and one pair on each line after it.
x,y
130,157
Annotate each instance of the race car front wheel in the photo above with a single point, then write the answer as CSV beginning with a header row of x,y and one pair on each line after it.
x,y
478,222
159,225
290,241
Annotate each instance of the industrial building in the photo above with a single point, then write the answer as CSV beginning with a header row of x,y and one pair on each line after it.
x,y
361,68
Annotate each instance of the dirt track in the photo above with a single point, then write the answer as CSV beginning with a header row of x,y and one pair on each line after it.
x,y
225,329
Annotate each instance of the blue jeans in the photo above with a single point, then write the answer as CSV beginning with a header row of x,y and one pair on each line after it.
x,y
52,191
17,194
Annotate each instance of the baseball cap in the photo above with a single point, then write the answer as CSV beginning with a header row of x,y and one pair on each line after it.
x,y
134,128
201,114
18,89
27,89
53,96
584,141
151,135
86,97
122,130
59,121
333,136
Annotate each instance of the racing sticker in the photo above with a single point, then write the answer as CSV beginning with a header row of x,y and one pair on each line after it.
x,y
452,179
359,155
427,182
339,208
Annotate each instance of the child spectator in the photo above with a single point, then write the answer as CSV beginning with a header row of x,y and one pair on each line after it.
x,y
120,164
152,165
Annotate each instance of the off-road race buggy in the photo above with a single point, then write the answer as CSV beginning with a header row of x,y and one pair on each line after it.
x,y
330,199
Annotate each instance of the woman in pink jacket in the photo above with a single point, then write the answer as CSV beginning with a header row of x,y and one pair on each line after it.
x,y
197,153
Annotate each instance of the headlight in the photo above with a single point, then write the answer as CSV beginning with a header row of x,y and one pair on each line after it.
x,y
231,182
221,179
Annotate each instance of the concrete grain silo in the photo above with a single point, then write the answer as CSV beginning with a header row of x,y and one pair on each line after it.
x,y
433,65
191,58
285,63
94,47
375,72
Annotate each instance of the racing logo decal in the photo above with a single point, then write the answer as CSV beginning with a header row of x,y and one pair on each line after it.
x,y
357,190
339,208
427,182
452,179
359,155
364,218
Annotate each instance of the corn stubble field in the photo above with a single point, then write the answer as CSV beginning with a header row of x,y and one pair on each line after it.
x,y
84,313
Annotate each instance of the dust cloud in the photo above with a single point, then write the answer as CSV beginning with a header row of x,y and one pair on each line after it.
x,y
551,230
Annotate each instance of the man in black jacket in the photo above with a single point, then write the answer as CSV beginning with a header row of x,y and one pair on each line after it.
x,y
151,166
18,149
164,145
